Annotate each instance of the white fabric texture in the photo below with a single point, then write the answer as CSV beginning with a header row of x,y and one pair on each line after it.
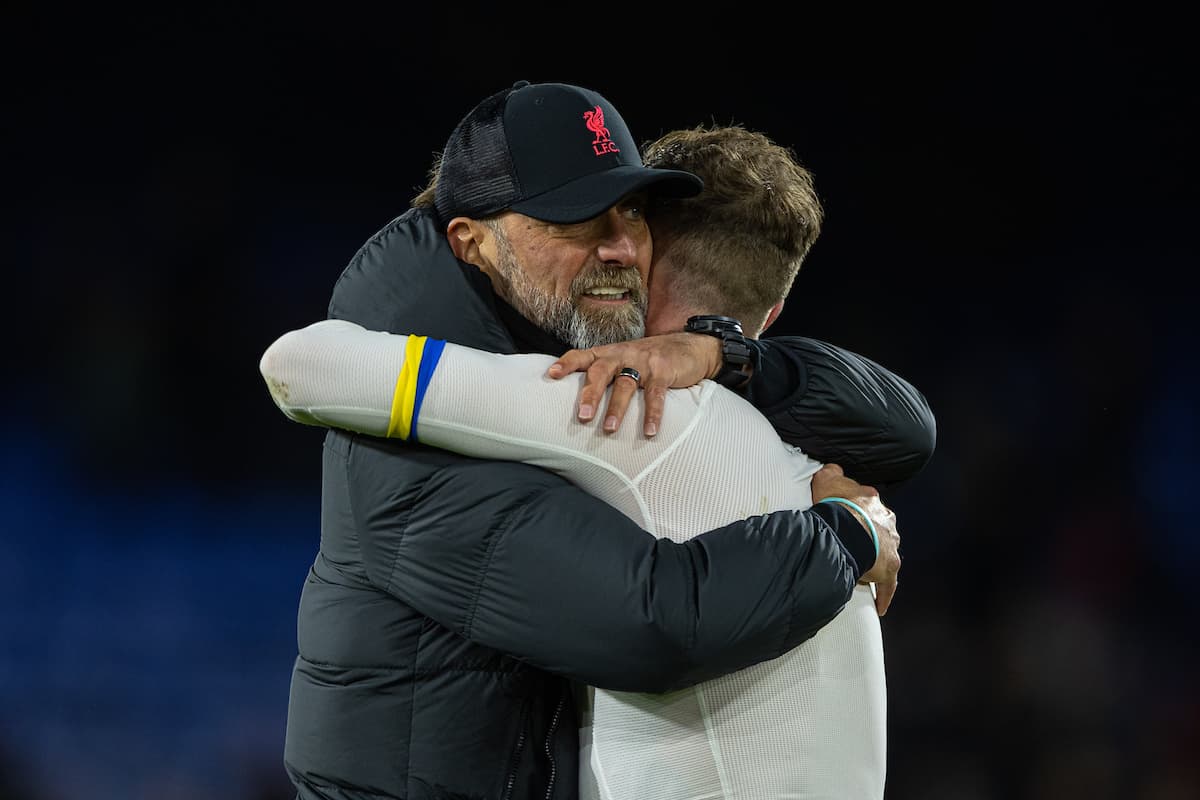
x,y
810,724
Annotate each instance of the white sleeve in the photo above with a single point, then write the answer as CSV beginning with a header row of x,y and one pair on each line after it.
x,y
338,374
335,373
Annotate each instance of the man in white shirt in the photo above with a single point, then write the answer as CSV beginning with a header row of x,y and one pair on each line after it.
x,y
811,723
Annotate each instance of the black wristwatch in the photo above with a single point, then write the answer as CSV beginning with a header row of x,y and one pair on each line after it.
x,y
737,366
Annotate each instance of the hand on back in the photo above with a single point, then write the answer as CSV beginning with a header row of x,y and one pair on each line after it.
x,y
831,481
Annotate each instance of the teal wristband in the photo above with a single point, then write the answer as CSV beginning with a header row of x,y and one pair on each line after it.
x,y
866,517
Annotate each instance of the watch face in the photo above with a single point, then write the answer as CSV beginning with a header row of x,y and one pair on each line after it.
x,y
706,323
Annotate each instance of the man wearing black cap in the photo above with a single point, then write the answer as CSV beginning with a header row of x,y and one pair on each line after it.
x,y
452,599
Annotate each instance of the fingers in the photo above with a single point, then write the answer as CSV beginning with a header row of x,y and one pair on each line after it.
x,y
832,471
883,574
623,389
571,361
830,481
601,372
664,362
599,375
884,592
655,398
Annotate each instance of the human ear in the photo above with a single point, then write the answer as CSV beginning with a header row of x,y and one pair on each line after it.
x,y
466,237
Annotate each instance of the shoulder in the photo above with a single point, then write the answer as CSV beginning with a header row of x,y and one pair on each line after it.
x,y
406,279
400,257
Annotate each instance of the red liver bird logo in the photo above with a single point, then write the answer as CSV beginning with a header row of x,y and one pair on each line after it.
x,y
595,123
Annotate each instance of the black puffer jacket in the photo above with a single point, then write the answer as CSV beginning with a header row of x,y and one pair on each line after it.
x,y
454,600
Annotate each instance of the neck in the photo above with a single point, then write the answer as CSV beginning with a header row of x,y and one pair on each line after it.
x,y
666,318
669,318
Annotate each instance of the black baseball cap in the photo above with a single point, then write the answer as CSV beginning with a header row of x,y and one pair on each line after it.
x,y
551,151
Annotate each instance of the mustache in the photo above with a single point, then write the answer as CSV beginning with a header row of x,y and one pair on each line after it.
x,y
626,278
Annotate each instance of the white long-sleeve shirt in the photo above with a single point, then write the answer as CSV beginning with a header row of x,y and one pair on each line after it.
x,y
809,724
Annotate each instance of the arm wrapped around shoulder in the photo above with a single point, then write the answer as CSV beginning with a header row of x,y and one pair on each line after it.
x,y
517,559
844,408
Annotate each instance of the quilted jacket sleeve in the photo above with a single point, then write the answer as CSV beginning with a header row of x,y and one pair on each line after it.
x,y
843,408
515,558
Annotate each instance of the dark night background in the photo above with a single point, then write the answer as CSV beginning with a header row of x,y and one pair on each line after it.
x,y
1010,225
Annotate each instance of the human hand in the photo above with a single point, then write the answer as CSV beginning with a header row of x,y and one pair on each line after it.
x,y
666,361
830,481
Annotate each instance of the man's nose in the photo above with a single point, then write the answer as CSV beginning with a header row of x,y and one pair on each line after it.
x,y
619,243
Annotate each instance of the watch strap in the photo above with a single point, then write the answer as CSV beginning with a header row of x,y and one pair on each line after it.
x,y
736,354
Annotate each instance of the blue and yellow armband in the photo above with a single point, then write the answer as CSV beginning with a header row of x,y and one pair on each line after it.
x,y
421,355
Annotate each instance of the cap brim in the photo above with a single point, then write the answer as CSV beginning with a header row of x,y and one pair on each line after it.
x,y
592,195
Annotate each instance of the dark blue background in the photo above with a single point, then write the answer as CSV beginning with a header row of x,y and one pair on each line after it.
x,y
1010,224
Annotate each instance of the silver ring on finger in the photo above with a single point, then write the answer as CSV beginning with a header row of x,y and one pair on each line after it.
x,y
630,372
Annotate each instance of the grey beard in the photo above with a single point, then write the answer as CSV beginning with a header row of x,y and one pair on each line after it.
x,y
565,321
562,318
581,332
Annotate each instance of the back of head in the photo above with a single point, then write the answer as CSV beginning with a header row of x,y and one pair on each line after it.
x,y
736,247
551,151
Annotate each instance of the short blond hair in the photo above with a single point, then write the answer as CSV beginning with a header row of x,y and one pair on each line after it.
x,y
735,248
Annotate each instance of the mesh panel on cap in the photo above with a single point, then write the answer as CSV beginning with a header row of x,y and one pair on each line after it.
x,y
476,175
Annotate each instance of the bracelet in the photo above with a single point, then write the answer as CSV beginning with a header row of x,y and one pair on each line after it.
x,y
866,517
